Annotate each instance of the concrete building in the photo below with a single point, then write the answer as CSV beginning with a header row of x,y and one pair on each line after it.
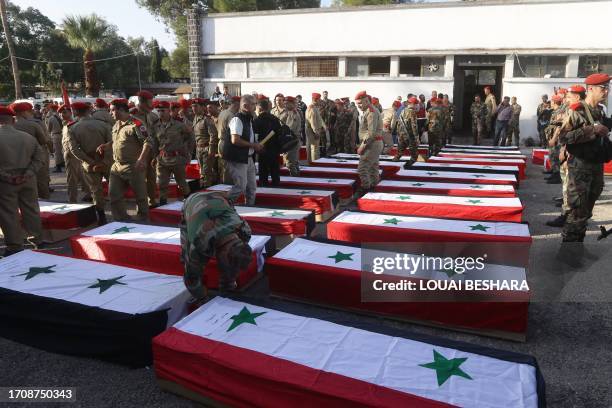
x,y
456,48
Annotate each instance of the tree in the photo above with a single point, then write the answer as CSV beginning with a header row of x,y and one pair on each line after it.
x,y
11,49
156,63
177,63
89,34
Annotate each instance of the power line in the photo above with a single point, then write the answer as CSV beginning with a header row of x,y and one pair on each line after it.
x,y
80,62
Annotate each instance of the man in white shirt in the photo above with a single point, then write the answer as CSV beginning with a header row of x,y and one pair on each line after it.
x,y
239,153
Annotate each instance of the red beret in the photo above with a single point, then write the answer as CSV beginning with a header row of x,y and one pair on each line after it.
x,y
289,99
21,107
316,96
80,106
597,79
375,100
184,103
4,111
396,104
120,101
235,99
101,103
163,105
413,100
53,107
145,95
557,98
577,89
361,95
434,100
562,91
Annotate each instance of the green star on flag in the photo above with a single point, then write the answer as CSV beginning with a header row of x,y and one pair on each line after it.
x,y
339,257
488,167
245,316
477,175
105,284
277,214
445,368
431,173
122,229
404,197
479,227
37,270
60,208
418,184
331,181
304,192
476,187
341,161
393,221
474,201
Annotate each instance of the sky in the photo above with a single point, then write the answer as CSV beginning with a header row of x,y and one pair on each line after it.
x,y
130,19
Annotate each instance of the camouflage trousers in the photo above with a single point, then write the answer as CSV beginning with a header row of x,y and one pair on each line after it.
x,y
122,176
291,160
165,171
434,139
403,143
368,167
345,140
74,177
19,204
477,130
42,176
513,133
207,162
224,176
58,149
553,156
585,183
563,174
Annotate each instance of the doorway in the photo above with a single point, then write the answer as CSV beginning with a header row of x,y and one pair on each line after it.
x,y
472,74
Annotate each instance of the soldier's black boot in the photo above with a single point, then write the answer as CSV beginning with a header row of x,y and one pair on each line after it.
x,y
408,164
101,217
558,222
571,254
163,201
554,179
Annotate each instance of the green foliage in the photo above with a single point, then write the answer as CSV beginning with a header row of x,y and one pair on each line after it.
x,y
362,2
177,63
156,74
86,32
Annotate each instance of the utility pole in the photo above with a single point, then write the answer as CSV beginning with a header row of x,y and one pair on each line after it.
x,y
11,50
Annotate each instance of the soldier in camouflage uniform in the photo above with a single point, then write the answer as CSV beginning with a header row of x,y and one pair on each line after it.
x,y
287,113
435,127
327,109
211,228
315,129
54,128
445,120
202,139
478,112
150,120
389,121
450,119
212,121
132,146
174,142
408,131
581,134
26,123
343,129
514,124
371,143
491,105
552,135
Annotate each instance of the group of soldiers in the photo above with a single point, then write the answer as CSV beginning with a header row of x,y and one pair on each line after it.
x,y
577,138
483,118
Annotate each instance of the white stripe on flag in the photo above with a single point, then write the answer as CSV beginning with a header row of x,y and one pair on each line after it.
x,y
283,214
455,174
445,186
443,199
391,362
61,208
278,191
464,166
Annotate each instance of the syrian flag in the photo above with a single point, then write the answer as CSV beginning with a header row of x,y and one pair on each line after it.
x,y
155,249
496,148
462,208
64,216
245,355
481,162
386,166
322,202
499,313
430,166
454,177
265,221
321,172
382,157
451,189
478,155
608,167
344,187
84,308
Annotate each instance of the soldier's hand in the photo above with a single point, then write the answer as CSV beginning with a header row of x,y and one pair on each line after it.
x,y
258,147
140,164
360,150
600,130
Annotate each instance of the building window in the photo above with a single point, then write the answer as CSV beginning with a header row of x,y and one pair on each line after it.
x,y
433,66
410,66
232,69
379,66
357,67
317,67
270,68
539,66
593,64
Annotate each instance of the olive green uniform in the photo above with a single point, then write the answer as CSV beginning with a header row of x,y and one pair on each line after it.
x,y
33,128
370,138
150,121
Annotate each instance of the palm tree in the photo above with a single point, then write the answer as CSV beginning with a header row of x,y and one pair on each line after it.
x,y
11,49
87,33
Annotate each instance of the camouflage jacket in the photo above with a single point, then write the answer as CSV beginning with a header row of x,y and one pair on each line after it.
x,y
207,220
409,118
516,113
478,111
435,120
344,121
556,120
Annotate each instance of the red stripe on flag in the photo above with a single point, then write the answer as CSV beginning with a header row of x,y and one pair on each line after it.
x,y
445,191
245,378
320,204
482,162
463,179
454,211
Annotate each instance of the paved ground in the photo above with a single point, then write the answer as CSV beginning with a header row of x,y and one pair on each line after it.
x,y
570,325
